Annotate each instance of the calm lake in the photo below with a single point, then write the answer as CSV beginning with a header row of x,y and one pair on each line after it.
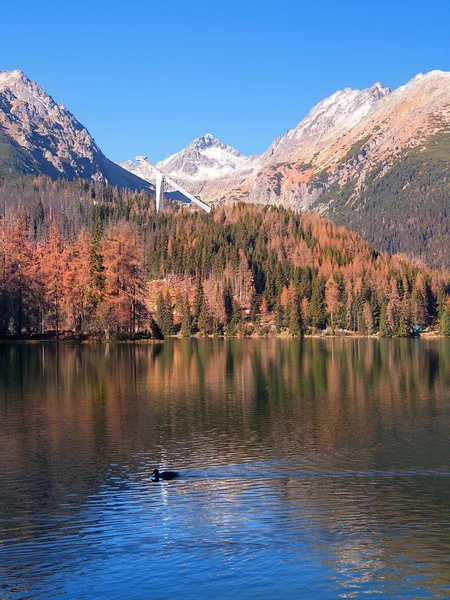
x,y
310,469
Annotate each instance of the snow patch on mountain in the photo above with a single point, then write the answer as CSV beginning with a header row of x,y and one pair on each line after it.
x,y
206,158
331,118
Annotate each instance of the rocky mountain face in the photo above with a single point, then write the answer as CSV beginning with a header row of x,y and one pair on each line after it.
x,y
207,158
208,166
375,160
326,122
38,135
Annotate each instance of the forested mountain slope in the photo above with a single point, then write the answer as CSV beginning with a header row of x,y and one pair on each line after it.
x,y
375,160
81,256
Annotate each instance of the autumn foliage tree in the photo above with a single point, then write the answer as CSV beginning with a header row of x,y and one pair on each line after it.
x,y
83,257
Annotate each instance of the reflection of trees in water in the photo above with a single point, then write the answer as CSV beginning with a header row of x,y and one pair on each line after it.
x,y
326,405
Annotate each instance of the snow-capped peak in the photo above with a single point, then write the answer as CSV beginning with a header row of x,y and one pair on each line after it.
x,y
9,78
205,158
330,118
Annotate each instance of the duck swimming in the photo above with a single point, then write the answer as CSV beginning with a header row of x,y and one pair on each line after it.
x,y
164,475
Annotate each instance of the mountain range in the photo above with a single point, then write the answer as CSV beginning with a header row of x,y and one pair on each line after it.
x,y
374,160
40,136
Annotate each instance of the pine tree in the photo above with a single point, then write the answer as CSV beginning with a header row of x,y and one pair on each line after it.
x,y
441,301
255,304
204,318
236,323
403,326
168,315
444,325
384,329
295,322
164,314
316,306
161,311
419,303
216,326
228,301
155,330
186,320
279,316
198,300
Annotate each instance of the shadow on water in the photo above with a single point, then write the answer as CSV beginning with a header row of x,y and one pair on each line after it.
x,y
318,466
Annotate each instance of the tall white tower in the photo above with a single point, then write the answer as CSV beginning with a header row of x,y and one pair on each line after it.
x,y
162,179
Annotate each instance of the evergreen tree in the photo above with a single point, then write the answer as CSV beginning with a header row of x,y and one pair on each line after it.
x,y
161,311
38,219
164,314
53,273
255,304
403,325
228,301
198,300
316,306
444,325
441,301
155,330
419,302
295,322
216,326
204,318
168,315
279,316
384,329
186,320
375,308
236,323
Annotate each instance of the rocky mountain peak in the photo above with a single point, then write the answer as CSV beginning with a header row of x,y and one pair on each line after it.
x,y
48,138
330,118
8,78
204,158
378,91
206,141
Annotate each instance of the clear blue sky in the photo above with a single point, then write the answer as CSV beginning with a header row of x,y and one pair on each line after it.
x,y
149,77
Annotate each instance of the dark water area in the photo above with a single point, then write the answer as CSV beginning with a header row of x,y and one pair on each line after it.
x,y
315,469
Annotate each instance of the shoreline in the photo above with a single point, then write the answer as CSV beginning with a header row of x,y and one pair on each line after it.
x,y
83,339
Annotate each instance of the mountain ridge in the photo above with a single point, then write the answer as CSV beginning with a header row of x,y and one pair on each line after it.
x,y
354,158
374,160
313,142
39,135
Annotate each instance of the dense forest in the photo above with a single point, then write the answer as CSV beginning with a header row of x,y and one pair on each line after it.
x,y
404,207
95,260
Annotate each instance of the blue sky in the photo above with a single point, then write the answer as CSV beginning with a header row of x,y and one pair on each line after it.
x,y
149,77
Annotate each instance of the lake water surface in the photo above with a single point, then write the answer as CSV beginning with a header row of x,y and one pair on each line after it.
x,y
310,469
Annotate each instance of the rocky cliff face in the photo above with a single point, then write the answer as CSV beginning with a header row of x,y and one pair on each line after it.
x,y
38,135
326,122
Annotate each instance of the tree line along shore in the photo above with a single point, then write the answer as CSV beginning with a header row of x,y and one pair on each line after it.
x,y
80,259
